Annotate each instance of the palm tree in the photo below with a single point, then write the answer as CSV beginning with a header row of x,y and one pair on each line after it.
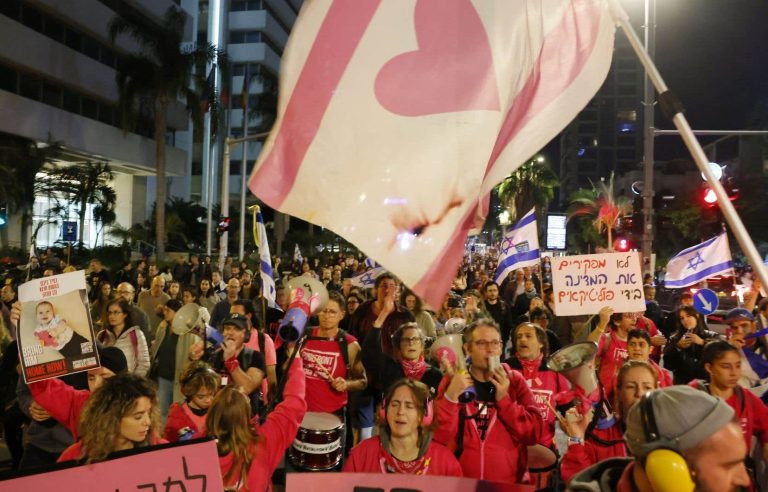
x,y
600,204
22,160
85,184
532,184
161,73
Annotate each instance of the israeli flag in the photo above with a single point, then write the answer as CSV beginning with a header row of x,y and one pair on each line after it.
x,y
368,279
520,247
265,262
297,255
370,262
699,262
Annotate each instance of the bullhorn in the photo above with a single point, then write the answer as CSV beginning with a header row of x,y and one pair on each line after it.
x,y
186,319
576,363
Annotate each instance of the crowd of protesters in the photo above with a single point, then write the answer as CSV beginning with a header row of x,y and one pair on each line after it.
x,y
365,374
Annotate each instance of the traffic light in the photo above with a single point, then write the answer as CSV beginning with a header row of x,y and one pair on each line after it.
x,y
622,244
3,216
708,197
223,225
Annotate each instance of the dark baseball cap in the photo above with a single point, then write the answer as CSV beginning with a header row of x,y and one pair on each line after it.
x,y
237,320
738,314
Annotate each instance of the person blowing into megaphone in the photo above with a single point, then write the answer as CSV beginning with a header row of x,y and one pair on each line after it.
x,y
681,439
489,434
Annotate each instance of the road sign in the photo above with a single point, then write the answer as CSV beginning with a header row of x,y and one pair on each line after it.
x,y
705,301
69,232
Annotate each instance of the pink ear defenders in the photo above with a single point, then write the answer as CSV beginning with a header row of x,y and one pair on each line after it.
x,y
425,421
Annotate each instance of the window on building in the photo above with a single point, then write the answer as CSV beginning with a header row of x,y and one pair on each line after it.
x,y
71,102
32,18
8,79
52,95
90,108
30,87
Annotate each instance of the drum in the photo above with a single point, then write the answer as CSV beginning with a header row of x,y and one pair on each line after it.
x,y
542,461
541,458
319,444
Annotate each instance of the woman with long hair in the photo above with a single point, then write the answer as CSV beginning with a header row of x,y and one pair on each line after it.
x,y
106,294
416,306
186,420
596,435
404,443
119,331
207,297
248,457
122,414
682,355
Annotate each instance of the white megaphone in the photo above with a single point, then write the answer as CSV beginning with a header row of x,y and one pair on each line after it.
x,y
576,363
188,319
306,296
449,350
455,325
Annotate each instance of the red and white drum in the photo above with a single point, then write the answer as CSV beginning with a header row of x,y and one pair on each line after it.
x,y
541,462
319,443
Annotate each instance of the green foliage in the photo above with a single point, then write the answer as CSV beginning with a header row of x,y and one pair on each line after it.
x,y
601,206
531,185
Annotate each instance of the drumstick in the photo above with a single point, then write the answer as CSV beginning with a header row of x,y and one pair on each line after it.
x,y
560,418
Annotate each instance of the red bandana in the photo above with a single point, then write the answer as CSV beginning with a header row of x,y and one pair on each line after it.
x,y
530,367
414,369
390,464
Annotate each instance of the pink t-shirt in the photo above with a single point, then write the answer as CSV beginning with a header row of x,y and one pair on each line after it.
x,y
270,357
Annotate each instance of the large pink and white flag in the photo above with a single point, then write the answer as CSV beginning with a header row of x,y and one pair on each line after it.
x,y
397,118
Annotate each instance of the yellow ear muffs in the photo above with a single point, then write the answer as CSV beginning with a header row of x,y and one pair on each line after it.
x,y
668,472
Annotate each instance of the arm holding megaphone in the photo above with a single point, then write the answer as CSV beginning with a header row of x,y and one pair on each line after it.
x,y
307,296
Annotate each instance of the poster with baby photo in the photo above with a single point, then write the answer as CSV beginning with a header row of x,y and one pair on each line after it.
x,y
55,330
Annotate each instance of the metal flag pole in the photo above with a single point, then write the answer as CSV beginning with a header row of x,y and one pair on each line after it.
x,y
673,109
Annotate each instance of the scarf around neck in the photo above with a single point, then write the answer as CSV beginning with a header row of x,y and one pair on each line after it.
x,y
414,369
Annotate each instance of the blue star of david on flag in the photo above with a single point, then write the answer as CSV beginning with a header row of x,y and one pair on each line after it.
x,y
699,262
693,263
520,247
367,279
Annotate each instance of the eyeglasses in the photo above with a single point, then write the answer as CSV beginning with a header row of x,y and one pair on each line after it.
x,y
330,312
484,344
114,313
410,341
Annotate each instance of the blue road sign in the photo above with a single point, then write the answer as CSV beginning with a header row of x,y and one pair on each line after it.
x,y
705,301
69,232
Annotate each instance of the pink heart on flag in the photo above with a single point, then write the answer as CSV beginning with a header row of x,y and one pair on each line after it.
x,y
451,71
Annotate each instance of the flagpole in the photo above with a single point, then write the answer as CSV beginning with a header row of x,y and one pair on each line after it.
x,y
673,109
244,98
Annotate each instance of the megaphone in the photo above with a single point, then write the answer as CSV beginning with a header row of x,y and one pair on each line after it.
x,y
450,350
306,296
186,319
455,325
576,363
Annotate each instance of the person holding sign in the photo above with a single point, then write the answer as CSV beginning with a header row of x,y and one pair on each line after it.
x,y
404,443
122,414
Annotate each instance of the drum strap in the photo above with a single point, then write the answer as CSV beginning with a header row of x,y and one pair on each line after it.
x,y
460,435
341,339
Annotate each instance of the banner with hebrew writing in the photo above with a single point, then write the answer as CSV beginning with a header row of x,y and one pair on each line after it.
x,y
189,467
584,284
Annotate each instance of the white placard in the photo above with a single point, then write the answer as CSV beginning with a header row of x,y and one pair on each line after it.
x,y
55,333
584,284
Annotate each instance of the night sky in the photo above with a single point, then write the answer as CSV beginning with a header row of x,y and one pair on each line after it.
x,y
714,55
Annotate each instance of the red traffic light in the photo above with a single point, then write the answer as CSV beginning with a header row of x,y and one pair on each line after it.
x,y
622,244
709,196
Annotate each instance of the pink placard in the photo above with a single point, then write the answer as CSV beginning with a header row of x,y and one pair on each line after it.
x,y
192,467
380,482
